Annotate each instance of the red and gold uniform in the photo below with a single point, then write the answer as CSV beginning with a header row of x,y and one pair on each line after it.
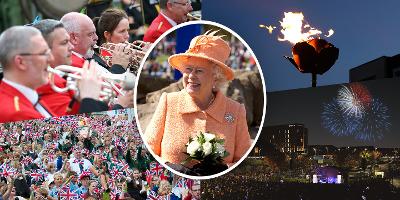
x,y
159,26
15,106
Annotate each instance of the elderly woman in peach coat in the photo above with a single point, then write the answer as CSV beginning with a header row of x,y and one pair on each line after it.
x,y
200,106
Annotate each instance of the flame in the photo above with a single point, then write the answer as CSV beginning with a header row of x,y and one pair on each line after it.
x,y
270,28
330,33
292,28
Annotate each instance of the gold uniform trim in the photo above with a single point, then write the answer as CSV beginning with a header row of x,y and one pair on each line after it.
x,y
16,103
159,26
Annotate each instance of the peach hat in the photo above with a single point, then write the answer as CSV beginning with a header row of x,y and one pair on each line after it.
x,y
204,50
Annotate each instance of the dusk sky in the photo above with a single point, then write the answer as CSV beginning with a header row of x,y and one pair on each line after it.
x,y
364,31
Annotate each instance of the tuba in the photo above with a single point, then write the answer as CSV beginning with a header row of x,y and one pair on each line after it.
x,y
137,51
113,84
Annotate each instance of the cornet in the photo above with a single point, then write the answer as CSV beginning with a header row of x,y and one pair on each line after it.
x,y
137,50
110,82
194,16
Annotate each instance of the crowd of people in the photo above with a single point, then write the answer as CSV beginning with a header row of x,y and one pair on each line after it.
x,y
157,65
262,184
90,156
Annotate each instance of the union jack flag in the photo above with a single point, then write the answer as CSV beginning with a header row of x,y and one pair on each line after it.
x,y
115,161
36,135
115,193
27,160
37,176
66,194
148,173
156,168
79,161
124,167
182,183
7,171
153,196
115,173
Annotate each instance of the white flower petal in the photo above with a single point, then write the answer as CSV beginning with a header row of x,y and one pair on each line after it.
x,y
208,136
193,147
207,148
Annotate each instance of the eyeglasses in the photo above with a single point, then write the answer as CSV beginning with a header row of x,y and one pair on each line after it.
x,y
46,53
182,4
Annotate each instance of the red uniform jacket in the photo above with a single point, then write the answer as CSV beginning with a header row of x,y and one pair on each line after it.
x,y
14,106
77,61
58,102
159,26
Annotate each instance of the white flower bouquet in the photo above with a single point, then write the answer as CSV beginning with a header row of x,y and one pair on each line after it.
x,y
209,151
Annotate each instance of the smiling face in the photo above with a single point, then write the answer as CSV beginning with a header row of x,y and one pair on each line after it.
x,y
58,180
136,174
37,62
92,186
198,81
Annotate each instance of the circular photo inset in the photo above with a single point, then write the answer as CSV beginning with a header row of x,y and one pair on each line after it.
x,y
200,99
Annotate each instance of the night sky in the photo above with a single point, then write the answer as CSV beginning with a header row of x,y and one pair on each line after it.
x,y
364,30
306,105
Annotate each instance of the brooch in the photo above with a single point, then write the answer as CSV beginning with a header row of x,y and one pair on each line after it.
x,y
229,117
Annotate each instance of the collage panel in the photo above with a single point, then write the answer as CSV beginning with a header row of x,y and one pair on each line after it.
x,y
339,148
331,124
59,70
89,156
201,116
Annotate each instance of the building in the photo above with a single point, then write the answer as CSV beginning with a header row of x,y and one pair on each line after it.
x,y
383,67
289,138
321,149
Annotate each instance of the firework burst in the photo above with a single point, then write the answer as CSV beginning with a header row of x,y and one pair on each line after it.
x,y
336,121
355,113
354,99
374,123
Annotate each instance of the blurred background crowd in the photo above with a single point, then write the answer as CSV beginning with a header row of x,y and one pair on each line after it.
x,y
157,63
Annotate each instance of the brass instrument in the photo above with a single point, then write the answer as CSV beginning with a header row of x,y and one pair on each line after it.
x,y
137,50
194,16
110,82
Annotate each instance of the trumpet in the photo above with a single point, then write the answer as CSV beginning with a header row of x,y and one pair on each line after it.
x,y
113,84
137,50
194,16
